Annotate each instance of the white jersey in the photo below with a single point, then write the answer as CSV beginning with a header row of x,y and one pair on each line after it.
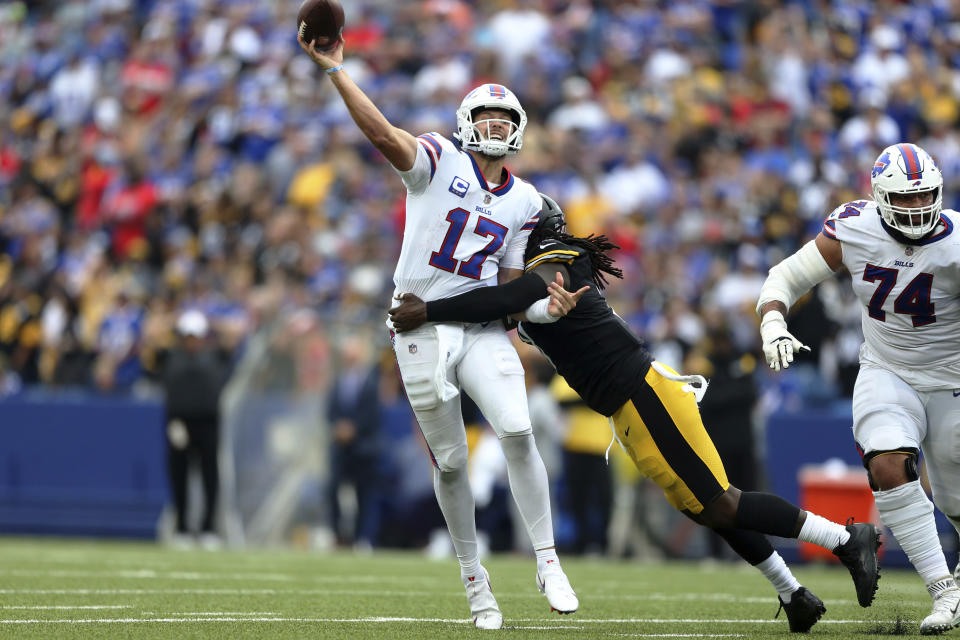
x,y
909,292
459,230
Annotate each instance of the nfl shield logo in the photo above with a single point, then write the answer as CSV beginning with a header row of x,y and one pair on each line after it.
x,y
909,251
486,199
412,348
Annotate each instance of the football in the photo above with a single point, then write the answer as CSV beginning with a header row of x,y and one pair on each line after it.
x,y
320,20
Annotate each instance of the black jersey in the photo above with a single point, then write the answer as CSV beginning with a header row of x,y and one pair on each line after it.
x,y
592,347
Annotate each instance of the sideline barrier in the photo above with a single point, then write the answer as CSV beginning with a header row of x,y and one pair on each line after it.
x,y
74,463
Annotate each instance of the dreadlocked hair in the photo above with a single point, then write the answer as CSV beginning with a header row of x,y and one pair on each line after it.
x,y
596,248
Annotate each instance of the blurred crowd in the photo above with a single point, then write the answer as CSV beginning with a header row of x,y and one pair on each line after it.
x,y
158,156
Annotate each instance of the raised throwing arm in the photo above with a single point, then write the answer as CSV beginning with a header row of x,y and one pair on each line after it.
x,y
398,146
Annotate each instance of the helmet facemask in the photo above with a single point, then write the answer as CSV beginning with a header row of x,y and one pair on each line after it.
x,y
477,136
907,169
912,222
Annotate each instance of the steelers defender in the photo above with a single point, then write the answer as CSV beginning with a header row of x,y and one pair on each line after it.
x,y
653,410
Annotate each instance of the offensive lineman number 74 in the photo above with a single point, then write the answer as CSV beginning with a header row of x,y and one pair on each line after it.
x,y
913,301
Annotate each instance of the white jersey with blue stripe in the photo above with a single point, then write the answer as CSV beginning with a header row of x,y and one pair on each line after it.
x,y
909,293
459,229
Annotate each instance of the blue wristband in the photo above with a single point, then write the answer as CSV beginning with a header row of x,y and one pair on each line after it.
x,y
332,69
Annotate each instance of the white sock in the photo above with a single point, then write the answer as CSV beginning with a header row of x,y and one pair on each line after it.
x,y
778,573
456,503
546,557
530,487
908,513
822,532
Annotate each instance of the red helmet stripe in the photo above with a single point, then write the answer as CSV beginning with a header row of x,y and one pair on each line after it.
x,y
910,156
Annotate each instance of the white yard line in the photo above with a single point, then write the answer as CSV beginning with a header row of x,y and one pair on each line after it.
x,y
217,613
663,597
678,635
367,620
249,592
127,592
65,606
149,574
153,574
542,628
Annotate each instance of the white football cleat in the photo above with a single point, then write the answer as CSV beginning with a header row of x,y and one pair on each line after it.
x,y
483,606
945,614
553,583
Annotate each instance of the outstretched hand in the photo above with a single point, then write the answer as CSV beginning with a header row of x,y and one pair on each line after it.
x,y
410,314
779,344
562,301
326,59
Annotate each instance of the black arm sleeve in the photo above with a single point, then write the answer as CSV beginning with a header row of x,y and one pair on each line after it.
x,y
489,303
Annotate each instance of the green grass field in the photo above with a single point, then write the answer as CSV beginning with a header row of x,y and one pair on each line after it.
x,y
61,589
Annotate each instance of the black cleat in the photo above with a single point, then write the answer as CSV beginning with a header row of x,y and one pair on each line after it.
x,y
859,556
803,610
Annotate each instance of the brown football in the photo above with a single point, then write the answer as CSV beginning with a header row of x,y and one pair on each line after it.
x,y
320,20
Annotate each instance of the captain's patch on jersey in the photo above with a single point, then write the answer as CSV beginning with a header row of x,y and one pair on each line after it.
x,y
459,186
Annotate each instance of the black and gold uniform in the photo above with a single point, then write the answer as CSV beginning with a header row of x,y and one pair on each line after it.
x,y
592,347
656,420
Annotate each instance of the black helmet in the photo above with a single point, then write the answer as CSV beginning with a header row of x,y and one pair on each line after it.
x,y
551,216
550,224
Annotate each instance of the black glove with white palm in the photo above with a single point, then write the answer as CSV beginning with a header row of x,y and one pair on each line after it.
x,y
779,344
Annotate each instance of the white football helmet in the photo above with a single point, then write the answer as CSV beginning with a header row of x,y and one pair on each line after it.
x,y
906,168
490,96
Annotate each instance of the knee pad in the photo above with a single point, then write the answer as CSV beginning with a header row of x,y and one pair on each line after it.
x,y
421,392
519,428
451,458
517,445
909,465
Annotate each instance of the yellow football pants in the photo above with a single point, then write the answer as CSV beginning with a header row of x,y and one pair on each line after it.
x,y
661,429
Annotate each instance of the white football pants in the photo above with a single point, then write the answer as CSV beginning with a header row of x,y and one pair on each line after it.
x,y
889,414
486,366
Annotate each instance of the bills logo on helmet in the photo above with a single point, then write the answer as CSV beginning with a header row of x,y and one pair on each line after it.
x,y
880,165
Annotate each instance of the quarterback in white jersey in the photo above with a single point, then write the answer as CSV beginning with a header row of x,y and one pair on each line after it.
x,y
467,224
903,255
460,229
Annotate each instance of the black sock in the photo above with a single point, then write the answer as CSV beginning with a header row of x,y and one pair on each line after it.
x,y
767,513
749,545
